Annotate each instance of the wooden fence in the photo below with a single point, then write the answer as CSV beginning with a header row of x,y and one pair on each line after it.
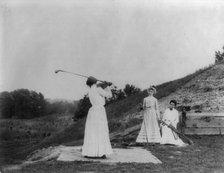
x,y
204,124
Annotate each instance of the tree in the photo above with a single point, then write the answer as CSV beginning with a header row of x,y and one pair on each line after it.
x,y
59,107
6,105
219,57
119,94
82,108
116,96
22,103
131,90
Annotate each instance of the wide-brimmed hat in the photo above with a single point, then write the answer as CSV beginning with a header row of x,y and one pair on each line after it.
x,y
153,88
91,80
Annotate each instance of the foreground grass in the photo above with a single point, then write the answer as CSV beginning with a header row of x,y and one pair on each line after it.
x,y
206,155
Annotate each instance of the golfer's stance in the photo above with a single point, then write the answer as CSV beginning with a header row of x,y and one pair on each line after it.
x,y
96,140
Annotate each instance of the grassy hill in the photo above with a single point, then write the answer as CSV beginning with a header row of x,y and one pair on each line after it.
x,y
203,90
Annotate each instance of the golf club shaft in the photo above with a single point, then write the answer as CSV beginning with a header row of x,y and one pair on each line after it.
x,y
56,71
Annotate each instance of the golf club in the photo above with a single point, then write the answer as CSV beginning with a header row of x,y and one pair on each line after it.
x,y
63,71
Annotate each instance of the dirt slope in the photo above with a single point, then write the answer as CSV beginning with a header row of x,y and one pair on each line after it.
x,y
205,92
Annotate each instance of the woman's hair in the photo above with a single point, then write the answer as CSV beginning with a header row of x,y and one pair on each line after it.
x,y
173,101
90,81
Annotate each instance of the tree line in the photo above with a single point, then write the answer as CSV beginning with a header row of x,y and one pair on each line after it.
x,y
26,104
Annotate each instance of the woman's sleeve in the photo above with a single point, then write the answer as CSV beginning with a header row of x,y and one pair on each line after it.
x,y
144,103
157,109
105,93
176,119
164,116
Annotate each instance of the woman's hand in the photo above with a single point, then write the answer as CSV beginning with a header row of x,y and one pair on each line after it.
x,y
112,86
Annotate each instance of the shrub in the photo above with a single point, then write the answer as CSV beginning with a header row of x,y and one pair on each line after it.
x,y
82,108
221,88
131,90
22,103
207,89
196,107
219,57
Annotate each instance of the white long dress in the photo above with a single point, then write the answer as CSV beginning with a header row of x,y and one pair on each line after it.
x,y
168,136
96,139
150,131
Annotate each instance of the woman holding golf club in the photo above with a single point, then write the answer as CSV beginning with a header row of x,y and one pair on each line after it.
x,y
171,117
96,139
150,131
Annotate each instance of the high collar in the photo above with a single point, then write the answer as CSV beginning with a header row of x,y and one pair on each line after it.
x,y
171,109
93,86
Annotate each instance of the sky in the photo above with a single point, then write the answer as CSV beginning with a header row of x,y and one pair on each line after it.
x,y
142,43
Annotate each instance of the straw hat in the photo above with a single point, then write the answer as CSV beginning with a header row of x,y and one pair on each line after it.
x,y
153,88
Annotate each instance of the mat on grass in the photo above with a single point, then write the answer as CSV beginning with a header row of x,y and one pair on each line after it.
x,y
73,153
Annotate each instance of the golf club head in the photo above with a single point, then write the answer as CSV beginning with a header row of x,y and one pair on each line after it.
x,y
56,71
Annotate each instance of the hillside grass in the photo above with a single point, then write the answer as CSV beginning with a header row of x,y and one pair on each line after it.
x,y
129,105
20,137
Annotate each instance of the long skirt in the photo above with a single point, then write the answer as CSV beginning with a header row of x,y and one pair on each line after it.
x,y
168,137
150,131
96,140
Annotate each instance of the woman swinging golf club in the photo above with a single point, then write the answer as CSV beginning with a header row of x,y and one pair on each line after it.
x,y
96,139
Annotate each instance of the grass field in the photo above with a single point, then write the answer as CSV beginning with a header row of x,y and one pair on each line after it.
x,y
205,156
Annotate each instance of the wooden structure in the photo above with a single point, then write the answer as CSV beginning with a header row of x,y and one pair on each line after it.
x,y
192,124
204,124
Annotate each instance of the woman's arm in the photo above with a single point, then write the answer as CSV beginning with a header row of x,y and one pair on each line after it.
x,y
157,109
175,119
105,92
144,103
166,117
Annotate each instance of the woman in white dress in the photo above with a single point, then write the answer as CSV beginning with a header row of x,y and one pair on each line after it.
x,y
150,131
171,117
96,139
